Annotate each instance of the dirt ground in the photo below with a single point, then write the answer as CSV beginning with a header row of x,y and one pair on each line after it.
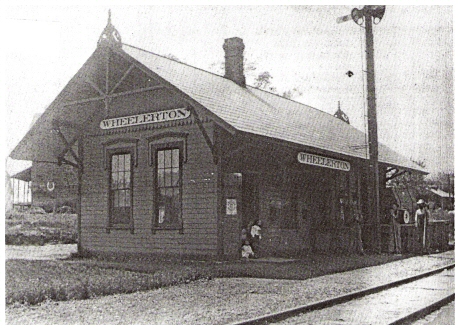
x,y
46,252
217,301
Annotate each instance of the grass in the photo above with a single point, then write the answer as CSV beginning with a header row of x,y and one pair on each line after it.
x,y
35,281
32,282
23,228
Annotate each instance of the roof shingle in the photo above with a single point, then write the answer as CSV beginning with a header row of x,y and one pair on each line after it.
x,y
259,112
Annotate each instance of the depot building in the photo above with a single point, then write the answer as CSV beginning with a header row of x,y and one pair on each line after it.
x,y
174,160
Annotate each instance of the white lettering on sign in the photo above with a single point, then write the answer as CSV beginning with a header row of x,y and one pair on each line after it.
x,y
145,118
321,161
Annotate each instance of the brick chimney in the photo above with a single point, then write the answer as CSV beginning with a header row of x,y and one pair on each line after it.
x,y
234,68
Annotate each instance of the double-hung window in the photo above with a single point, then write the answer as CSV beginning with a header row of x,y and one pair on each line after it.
x,y
168,186
120,192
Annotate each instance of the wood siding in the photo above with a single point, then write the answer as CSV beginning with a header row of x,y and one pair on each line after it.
x,y
199,187
65,182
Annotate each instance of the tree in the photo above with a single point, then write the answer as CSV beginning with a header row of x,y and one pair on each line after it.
x,y
261,81
444,181
173,57
292,93
264,81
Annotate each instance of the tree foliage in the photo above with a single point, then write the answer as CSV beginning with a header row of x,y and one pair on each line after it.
x,y
173,57
263,80
444,181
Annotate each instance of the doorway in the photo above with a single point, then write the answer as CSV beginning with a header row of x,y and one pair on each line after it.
x,y
250,199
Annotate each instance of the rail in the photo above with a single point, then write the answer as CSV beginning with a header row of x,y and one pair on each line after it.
x,y
282,315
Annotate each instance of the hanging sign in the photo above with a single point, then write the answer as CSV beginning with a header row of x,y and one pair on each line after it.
x,y
321,161
231,206
145,118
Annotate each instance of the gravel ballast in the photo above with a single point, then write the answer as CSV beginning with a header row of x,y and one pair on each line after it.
x,y
220,300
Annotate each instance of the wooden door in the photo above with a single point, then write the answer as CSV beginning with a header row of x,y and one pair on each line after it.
x,y
232,215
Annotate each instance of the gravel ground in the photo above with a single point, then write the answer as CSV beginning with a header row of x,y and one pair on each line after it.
x,y
443,316
217,301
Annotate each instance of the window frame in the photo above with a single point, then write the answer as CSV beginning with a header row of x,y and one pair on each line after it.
x,y
110,153
154,149
109,148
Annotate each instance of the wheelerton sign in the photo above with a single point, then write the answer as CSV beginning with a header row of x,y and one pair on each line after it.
x,y
316,160
145,118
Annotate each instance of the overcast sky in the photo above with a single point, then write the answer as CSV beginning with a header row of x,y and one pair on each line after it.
x,y
301,46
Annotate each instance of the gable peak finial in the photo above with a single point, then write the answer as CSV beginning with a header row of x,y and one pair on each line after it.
x,y
110,35
341,115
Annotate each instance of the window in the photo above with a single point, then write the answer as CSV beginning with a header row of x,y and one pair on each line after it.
x,y
120,158
120,192
168,186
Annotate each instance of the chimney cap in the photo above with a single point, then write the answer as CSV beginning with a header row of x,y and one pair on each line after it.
x,y
233,43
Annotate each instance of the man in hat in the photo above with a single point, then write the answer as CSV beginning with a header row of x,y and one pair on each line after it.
x,y
421,224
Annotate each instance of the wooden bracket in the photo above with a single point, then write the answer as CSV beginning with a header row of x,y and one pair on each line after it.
x,y
389,169
62,160
395,175
69,148
205,134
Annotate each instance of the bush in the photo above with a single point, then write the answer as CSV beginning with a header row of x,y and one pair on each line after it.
x,y
25,228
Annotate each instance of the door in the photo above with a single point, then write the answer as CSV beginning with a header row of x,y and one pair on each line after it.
x,y
232,215
250,200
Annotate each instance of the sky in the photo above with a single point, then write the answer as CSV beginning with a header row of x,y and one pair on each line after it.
x,y
302,47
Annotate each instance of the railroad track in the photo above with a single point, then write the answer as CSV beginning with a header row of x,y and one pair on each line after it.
x,y
399,302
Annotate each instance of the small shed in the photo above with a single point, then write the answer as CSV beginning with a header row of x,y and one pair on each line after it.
x,y
442,199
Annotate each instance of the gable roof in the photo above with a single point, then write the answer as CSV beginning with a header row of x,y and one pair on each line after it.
x,y
24,175
247,110
259,112
441,193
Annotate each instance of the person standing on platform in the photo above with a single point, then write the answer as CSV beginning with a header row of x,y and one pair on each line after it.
x,y
256,236
421,224
356,228
396,228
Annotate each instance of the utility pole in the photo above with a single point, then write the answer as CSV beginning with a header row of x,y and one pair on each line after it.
x,y
369,15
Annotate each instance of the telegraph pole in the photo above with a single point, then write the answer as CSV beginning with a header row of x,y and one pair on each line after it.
x,y
369,15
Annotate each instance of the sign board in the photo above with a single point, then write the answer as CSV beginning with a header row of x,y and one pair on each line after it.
x,y
145,118
311,159
231,206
